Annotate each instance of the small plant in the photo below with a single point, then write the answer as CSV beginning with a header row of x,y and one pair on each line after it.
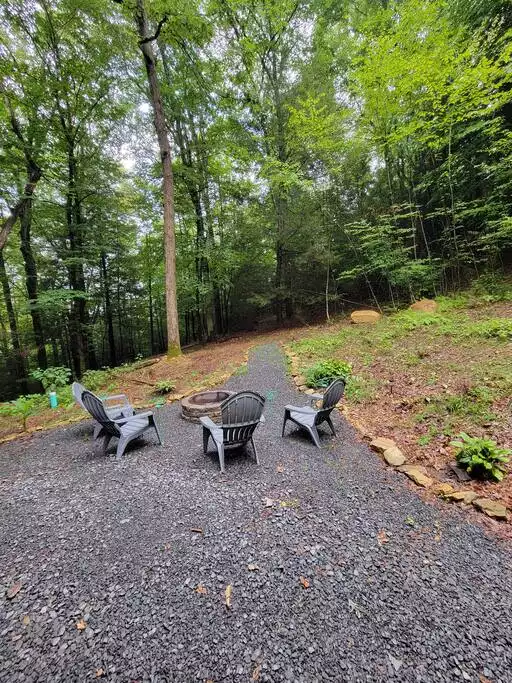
x,y
494,328
322,374
96,379
165,386
23,407
481,457
53,377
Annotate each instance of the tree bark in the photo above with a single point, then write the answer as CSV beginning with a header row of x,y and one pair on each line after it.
x,y
31,281
34,176
108,313
146,47
19,360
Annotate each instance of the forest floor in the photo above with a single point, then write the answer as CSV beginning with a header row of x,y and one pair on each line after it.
x,y
418,378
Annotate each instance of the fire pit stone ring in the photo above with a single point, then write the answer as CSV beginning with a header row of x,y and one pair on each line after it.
x,y
204,403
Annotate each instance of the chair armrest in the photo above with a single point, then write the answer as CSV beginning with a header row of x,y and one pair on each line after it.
x,y
208,423
300,409
124,420
316,397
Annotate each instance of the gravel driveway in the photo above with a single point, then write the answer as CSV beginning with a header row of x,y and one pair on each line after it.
x,y
118,584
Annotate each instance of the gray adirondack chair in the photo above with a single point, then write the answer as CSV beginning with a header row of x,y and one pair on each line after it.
x,y
310,418
125,429
114,410
240,415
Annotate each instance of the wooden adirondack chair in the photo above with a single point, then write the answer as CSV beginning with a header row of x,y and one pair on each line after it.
x,y
310,418
125,429
240,415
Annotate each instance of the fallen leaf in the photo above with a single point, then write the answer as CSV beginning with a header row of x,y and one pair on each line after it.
x,y
227,595
99,673
268,502
280,469
252,567
201,589
304,582
196,530
13,590
81,625
256,673
382,537
484,679
26,620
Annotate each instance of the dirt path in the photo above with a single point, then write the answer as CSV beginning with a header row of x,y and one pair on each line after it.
x,y
338,572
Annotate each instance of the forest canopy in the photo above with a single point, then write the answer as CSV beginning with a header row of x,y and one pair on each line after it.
x,y
321,154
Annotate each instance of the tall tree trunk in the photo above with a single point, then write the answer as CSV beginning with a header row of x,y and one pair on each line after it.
x,y
145,44
31,282
19,361
34,175
108,313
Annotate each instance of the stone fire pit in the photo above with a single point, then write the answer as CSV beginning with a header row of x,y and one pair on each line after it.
x,y
204,403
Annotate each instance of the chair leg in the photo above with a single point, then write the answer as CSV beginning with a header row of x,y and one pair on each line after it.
x,y
220,450
286,417
157,433
255,451
206,439
97,429
106,441
121,446
331,426
314,435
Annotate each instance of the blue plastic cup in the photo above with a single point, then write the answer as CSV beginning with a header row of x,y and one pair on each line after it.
x,y
53,399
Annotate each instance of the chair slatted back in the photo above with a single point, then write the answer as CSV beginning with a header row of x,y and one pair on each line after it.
x,y
332,396
241,414
95,407
78,389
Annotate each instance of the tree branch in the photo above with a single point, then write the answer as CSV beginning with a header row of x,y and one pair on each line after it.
x,y
150,39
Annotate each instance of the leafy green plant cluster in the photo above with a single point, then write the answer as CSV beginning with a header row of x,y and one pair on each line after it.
x,y
322,374
97,379
24,407
53,377
411,320
493,328
481,458
165,386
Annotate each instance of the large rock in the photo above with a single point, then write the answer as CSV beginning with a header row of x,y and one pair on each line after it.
x,y
424,305
394,456
417,474
466,497
359,317
443,489
382,443
491,507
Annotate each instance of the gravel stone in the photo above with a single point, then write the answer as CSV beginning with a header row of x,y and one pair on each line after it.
x,y
437,603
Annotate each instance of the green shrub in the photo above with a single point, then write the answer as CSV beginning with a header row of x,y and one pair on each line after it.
x,y
322,374
23,407
96,379
494,328
53,377
481,457
165,386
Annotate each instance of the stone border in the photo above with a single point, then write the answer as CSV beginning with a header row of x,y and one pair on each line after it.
x,y
395,458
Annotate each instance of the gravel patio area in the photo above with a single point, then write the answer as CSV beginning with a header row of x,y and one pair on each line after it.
x,y
124,565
